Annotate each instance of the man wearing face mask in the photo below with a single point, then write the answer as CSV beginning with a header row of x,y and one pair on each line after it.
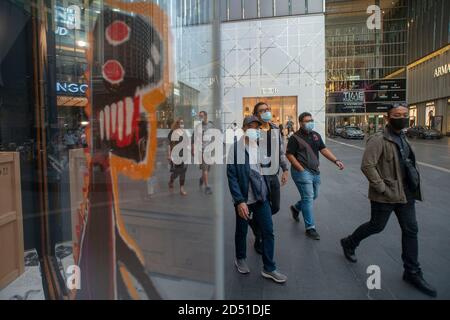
x,y
390,166
271,137
251,193
303,152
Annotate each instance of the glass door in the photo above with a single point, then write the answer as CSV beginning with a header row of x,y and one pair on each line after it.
x,y
284,109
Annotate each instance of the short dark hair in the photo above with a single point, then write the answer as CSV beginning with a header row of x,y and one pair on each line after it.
x,y
204,112
259,104
303,116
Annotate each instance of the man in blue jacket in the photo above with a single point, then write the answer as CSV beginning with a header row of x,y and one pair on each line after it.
x,y
250,192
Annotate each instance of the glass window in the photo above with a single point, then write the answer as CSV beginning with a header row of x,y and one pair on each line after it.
x,y
204,11
82,121
281,7
315,6
298,7
224,10
266,8
250,9
235,7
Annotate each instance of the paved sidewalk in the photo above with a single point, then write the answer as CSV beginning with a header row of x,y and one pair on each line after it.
x,y
318,270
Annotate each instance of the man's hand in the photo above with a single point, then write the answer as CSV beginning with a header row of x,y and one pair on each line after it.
x,y
340,164
243,212
330,156
284,177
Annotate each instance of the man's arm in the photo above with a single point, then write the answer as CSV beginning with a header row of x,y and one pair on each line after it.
x,y
372,154
294,162
283,160
330,156
233,182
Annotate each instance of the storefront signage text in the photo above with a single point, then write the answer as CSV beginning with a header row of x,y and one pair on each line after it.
x,y
64,87
442,70
68,19
353,97
269,90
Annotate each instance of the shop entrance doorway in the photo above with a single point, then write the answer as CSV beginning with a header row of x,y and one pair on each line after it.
x,y
284,110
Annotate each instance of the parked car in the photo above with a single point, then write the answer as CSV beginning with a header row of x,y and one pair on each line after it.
x,y
352,133
423,133
338,130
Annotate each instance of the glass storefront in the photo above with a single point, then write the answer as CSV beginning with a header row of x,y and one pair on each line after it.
x,y
284,109
365,68
430,112
412,116
85,87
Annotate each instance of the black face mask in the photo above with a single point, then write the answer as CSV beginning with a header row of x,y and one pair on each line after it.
x,y
399,123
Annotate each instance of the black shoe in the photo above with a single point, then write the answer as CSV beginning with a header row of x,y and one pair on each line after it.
x,y
258,246
417,280
295,213
312,233
349,252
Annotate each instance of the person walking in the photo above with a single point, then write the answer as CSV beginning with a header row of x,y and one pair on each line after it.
x,y
389,164
271,138
204,167
251,193
303,153
176,136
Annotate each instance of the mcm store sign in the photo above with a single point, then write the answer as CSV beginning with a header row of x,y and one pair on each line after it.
x,y
67,18
442,70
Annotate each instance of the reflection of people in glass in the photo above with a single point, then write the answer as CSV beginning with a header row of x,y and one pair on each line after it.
x,y
176,136
204,167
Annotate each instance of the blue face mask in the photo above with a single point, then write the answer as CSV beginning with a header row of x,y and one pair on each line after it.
x,y
253,134
309,126
266,116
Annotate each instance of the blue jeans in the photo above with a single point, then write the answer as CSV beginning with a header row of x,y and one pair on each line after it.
x,y
262,214
308,186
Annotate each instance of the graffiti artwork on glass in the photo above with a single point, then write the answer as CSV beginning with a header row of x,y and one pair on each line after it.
x,y
128,71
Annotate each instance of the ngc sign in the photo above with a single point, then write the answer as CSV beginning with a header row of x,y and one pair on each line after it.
x,y
75,88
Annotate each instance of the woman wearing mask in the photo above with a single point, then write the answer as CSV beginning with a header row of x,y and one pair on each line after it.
x,y
176,136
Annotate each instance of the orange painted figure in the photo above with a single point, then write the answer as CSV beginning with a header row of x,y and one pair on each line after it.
x,y
128,71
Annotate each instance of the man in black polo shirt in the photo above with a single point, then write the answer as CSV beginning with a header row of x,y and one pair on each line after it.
x,y
303,153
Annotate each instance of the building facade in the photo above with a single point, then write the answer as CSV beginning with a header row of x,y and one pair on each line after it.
x,y
428,69
365,66
273,51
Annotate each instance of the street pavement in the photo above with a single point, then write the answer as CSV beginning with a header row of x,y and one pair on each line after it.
x,y
317,269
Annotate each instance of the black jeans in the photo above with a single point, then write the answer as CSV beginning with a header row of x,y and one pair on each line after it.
x,y
262,217
406,215
274,187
